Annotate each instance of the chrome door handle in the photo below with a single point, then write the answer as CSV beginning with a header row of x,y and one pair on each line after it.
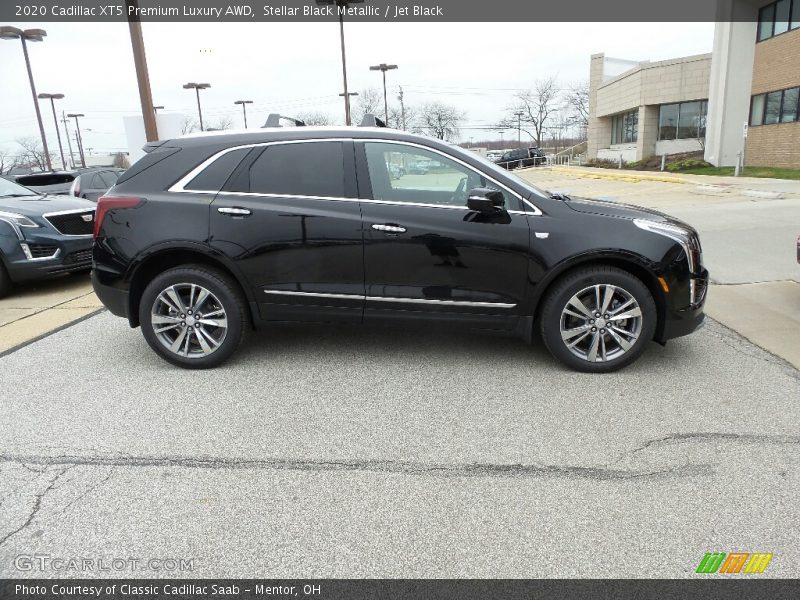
x,y
236,212
389,228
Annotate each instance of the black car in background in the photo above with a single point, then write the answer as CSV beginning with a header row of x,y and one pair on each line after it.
x,y
521,157
42,235
89,183
213,233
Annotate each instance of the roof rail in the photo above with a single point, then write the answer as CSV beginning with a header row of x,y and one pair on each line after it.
x,y
274,120
371,120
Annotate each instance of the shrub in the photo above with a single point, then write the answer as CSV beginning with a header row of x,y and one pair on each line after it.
x,y
689,163
604,163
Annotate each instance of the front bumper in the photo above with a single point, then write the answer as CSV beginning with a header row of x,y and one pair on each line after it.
x,y
684,321
48,254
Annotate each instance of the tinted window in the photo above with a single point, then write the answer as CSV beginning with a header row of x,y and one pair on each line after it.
x,y
46,179
395,175
765,18
668,122
302,169
773,108
214,176
781,16
757,110
690,120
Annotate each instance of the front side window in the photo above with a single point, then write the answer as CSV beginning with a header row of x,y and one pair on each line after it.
x,y
214,176
401,173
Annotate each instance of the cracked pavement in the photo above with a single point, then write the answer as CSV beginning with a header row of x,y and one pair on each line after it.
x,y
338,452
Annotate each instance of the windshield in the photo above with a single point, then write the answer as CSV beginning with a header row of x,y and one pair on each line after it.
x,y
493,168
11,188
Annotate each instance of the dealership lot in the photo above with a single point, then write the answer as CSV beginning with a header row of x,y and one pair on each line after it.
x,y
345,452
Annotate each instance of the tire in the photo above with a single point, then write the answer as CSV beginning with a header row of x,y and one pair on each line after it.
x,y
567,329
196,344
5,281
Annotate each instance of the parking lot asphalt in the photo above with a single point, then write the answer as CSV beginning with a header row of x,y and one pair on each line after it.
x,y
338,452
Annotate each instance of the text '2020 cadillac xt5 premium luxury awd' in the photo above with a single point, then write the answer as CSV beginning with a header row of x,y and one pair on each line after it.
x,y
215,233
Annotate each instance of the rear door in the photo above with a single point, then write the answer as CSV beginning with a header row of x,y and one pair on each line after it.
x,y
289,216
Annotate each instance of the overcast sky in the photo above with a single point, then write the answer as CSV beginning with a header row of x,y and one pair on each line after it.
x,y
296,67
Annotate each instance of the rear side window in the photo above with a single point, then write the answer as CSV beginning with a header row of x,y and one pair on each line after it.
x,y
300,169
214,176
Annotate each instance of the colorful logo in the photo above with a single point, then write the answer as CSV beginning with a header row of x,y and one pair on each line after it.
x,y
735,562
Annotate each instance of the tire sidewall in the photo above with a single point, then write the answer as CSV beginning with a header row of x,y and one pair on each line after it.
x,y
216,283
551,316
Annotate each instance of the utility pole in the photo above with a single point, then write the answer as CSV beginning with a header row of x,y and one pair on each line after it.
x,y
69,142
519,114
78,137
142,76
402,108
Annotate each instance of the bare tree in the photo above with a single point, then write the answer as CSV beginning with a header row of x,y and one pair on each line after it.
x,y
189,125
5,160
315,118
577,100
411,118
537,105
369,101
221,124
441,120
121,160
31,153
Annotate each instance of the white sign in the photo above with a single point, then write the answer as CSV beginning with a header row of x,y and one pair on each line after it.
x,y
744,130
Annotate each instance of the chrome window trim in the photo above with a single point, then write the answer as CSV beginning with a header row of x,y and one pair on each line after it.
x,y
69,212
389,299
179,186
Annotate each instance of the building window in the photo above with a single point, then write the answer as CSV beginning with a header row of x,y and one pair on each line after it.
x,y
682,121
625,128
782,106
757,109
778,17
789,110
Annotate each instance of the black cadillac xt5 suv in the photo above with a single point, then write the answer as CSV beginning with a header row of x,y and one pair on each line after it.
x,y
215,233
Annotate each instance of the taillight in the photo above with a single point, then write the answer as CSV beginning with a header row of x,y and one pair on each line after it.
x,y
75,188
107,203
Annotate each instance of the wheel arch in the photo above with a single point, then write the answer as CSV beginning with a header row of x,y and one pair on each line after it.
x,y
161,260
634,264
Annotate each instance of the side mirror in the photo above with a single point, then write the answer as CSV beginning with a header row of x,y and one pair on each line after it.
x,y
485,200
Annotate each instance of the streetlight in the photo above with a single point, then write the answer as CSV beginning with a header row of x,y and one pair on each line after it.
x,y
342,6
79,139
519,115
29,35
53,98
244,104
383,67
197,87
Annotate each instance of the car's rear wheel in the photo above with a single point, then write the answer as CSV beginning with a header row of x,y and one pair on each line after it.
x,y
598,319
193,316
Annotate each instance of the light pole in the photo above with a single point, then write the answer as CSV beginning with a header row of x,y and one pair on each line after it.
x,y
244,104
30,35
69,142
156,109
197,87
78,138
53,98
341,6
519,115
383,67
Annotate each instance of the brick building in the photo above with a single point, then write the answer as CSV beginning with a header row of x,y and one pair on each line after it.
x,y
749,83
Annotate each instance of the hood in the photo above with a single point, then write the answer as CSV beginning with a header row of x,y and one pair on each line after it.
x,y
621,211
35,206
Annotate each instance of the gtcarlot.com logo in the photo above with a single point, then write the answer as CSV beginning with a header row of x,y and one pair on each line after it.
x,y
45,562
735,562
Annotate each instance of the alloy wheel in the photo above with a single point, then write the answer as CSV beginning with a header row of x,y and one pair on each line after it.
x,y
601,323
189,320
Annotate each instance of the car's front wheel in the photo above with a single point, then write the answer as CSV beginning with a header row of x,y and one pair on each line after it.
x,y
598,319
193,316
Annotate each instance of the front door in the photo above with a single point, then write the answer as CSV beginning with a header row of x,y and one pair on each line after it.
x,y
289,217
425,252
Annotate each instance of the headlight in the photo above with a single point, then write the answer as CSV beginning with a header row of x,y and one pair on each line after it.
x,y
687,240
18,220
